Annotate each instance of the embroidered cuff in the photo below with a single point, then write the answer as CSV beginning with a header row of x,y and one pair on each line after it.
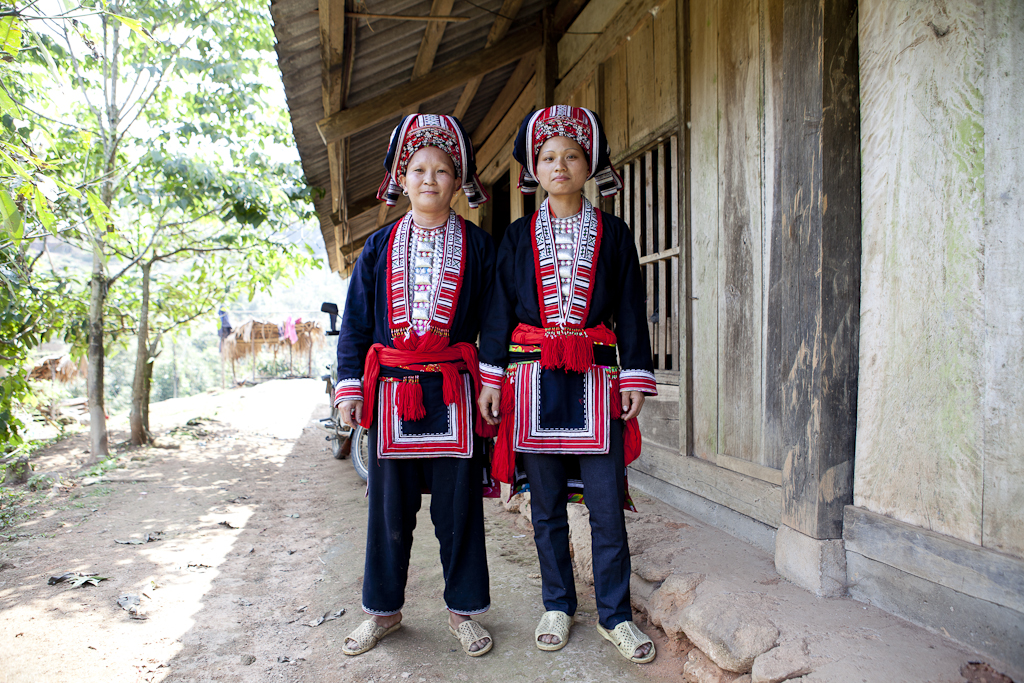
x,y
638,380
491,375
348,390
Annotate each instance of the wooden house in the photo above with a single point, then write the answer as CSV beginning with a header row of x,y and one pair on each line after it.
x,y
828,202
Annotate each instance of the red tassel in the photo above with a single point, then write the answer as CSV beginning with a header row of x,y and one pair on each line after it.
x,y
449,383
552,349
631,441
615,400
410,400
578,355
504,461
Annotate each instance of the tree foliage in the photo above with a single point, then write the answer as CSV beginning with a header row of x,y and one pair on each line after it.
x,y
145,134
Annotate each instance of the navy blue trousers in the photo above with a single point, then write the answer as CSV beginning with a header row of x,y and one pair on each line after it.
x,y
456,510
604,494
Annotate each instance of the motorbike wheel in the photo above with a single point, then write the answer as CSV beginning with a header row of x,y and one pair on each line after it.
x,y
361,453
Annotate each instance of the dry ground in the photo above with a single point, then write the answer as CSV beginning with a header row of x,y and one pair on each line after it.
x,y
257,533
261,533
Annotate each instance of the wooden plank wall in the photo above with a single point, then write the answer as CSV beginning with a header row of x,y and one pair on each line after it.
x,y
1003,495
704,229
735,69
939,437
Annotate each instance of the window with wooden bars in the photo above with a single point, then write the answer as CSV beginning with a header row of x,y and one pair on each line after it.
x,y
650,205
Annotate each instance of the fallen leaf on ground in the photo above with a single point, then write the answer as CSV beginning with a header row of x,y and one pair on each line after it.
x,y
154,536
328,616
54,580
93,580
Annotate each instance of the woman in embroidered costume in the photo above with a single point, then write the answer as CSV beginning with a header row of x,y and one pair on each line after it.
x,y
566,405
407,366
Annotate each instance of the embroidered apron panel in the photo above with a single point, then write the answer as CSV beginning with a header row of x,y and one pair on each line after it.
x,y
573,417
445,432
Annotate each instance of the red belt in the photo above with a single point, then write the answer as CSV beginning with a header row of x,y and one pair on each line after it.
x,y
449,361
560,348
568,348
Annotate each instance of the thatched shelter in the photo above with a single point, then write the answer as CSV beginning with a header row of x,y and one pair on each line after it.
x,y
249,339
58,369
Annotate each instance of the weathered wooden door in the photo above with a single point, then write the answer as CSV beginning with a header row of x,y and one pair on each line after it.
x,y
735,106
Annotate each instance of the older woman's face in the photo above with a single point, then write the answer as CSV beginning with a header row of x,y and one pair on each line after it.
x,y
430,180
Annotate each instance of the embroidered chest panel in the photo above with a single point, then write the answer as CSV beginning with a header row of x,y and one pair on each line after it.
x,y
571,309
442,290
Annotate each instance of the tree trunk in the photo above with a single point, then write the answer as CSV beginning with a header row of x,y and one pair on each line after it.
x,y
148,393
139,418
174,368
94,379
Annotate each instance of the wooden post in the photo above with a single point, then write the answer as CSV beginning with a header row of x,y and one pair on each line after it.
x,y
819,249
516,207
547,63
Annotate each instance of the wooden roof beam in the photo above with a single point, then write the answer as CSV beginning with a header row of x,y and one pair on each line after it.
x,y
491,158
452,75
332,55
506,15
565,13
509,94
431,38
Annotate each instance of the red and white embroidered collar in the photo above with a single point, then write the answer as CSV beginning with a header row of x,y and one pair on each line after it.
x,y
573,313
446,294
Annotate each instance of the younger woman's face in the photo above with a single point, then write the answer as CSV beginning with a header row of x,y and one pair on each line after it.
x,y
562,167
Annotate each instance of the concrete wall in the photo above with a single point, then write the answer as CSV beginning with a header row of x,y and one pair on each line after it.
x,y
941,401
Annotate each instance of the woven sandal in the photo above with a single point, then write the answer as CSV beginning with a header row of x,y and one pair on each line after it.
x,y
366,636
468,633
626,637
556,624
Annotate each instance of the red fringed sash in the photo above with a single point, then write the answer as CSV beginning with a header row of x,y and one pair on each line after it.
x,y
448,360
504,460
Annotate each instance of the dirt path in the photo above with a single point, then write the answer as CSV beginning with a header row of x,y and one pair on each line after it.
x,y
260,534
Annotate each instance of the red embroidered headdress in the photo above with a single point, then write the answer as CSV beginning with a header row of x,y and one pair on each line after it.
x,y
575,123
430,130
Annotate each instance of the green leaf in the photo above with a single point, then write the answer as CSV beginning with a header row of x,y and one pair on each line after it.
x,y
100,213
10,35
50,63
10,215
15,166
43,210
7,105
68,188
134,25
